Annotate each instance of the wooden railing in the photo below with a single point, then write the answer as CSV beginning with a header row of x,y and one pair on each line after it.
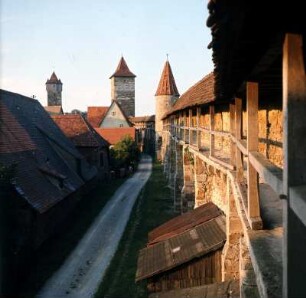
x,y
241,152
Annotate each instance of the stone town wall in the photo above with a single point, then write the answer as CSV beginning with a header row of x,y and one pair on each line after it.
x,y
202,183
270,133
188,190
210,185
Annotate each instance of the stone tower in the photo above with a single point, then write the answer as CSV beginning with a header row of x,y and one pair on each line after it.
x,y
166,95
123,88
54,90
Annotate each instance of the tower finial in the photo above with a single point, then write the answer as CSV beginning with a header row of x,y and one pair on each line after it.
x,y
167,56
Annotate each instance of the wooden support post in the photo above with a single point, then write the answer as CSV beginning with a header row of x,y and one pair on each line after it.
x,y
212,128
294,173
238,127
180,124
190,124
252,145
233,133
198,128
184,124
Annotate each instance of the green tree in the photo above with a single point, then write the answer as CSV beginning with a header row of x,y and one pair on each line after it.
x,y
125,153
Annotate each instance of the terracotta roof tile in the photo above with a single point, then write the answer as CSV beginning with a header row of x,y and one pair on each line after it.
x,y
80,132
167,84
29,138
114,135
200,93
122,70
53,79
13,137
95,115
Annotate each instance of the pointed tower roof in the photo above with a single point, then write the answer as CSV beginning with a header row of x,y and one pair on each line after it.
x,y
167,84
53,79
122,70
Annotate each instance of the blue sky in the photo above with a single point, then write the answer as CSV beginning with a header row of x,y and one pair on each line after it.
x,y
82,41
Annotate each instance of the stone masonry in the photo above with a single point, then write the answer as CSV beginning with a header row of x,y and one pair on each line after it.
x,y
123,91
54,88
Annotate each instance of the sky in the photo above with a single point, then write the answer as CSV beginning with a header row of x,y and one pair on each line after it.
x,y
82,41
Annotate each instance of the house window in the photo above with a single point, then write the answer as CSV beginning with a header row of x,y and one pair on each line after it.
x,y
114,113
120,125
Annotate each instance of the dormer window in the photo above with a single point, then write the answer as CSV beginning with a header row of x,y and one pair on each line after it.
x,y
113,113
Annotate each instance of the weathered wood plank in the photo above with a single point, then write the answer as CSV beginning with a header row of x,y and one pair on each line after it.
x,y
252,145
238,127
294,148
233,133
198,130
212,128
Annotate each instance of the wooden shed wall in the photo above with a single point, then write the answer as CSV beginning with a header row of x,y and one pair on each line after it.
x,y
201,271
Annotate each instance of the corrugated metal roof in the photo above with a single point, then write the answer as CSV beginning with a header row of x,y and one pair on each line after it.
x,y
184,222
182,248
224,289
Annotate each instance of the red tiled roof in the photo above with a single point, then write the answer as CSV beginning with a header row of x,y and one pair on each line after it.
x,y
53,79
200,93
167,84
142,119
114,135
77,130
31,140
95,115
184,222
122,70
13,137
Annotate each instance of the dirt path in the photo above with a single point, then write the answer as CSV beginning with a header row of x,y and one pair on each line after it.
x,y
84,269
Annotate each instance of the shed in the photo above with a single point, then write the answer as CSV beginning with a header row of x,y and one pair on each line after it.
x,y
229,288
190,257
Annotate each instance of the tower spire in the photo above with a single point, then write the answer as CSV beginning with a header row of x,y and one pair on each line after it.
x,y
167,84
122,70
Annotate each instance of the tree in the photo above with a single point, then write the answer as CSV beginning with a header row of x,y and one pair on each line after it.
x,y
125,153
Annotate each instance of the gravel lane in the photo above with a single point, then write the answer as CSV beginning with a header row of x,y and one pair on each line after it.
x,y
82,272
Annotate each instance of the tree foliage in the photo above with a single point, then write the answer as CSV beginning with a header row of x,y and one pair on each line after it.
x,y
125,153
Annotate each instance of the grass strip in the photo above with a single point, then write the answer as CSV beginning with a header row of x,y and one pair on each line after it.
x,y
153,207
